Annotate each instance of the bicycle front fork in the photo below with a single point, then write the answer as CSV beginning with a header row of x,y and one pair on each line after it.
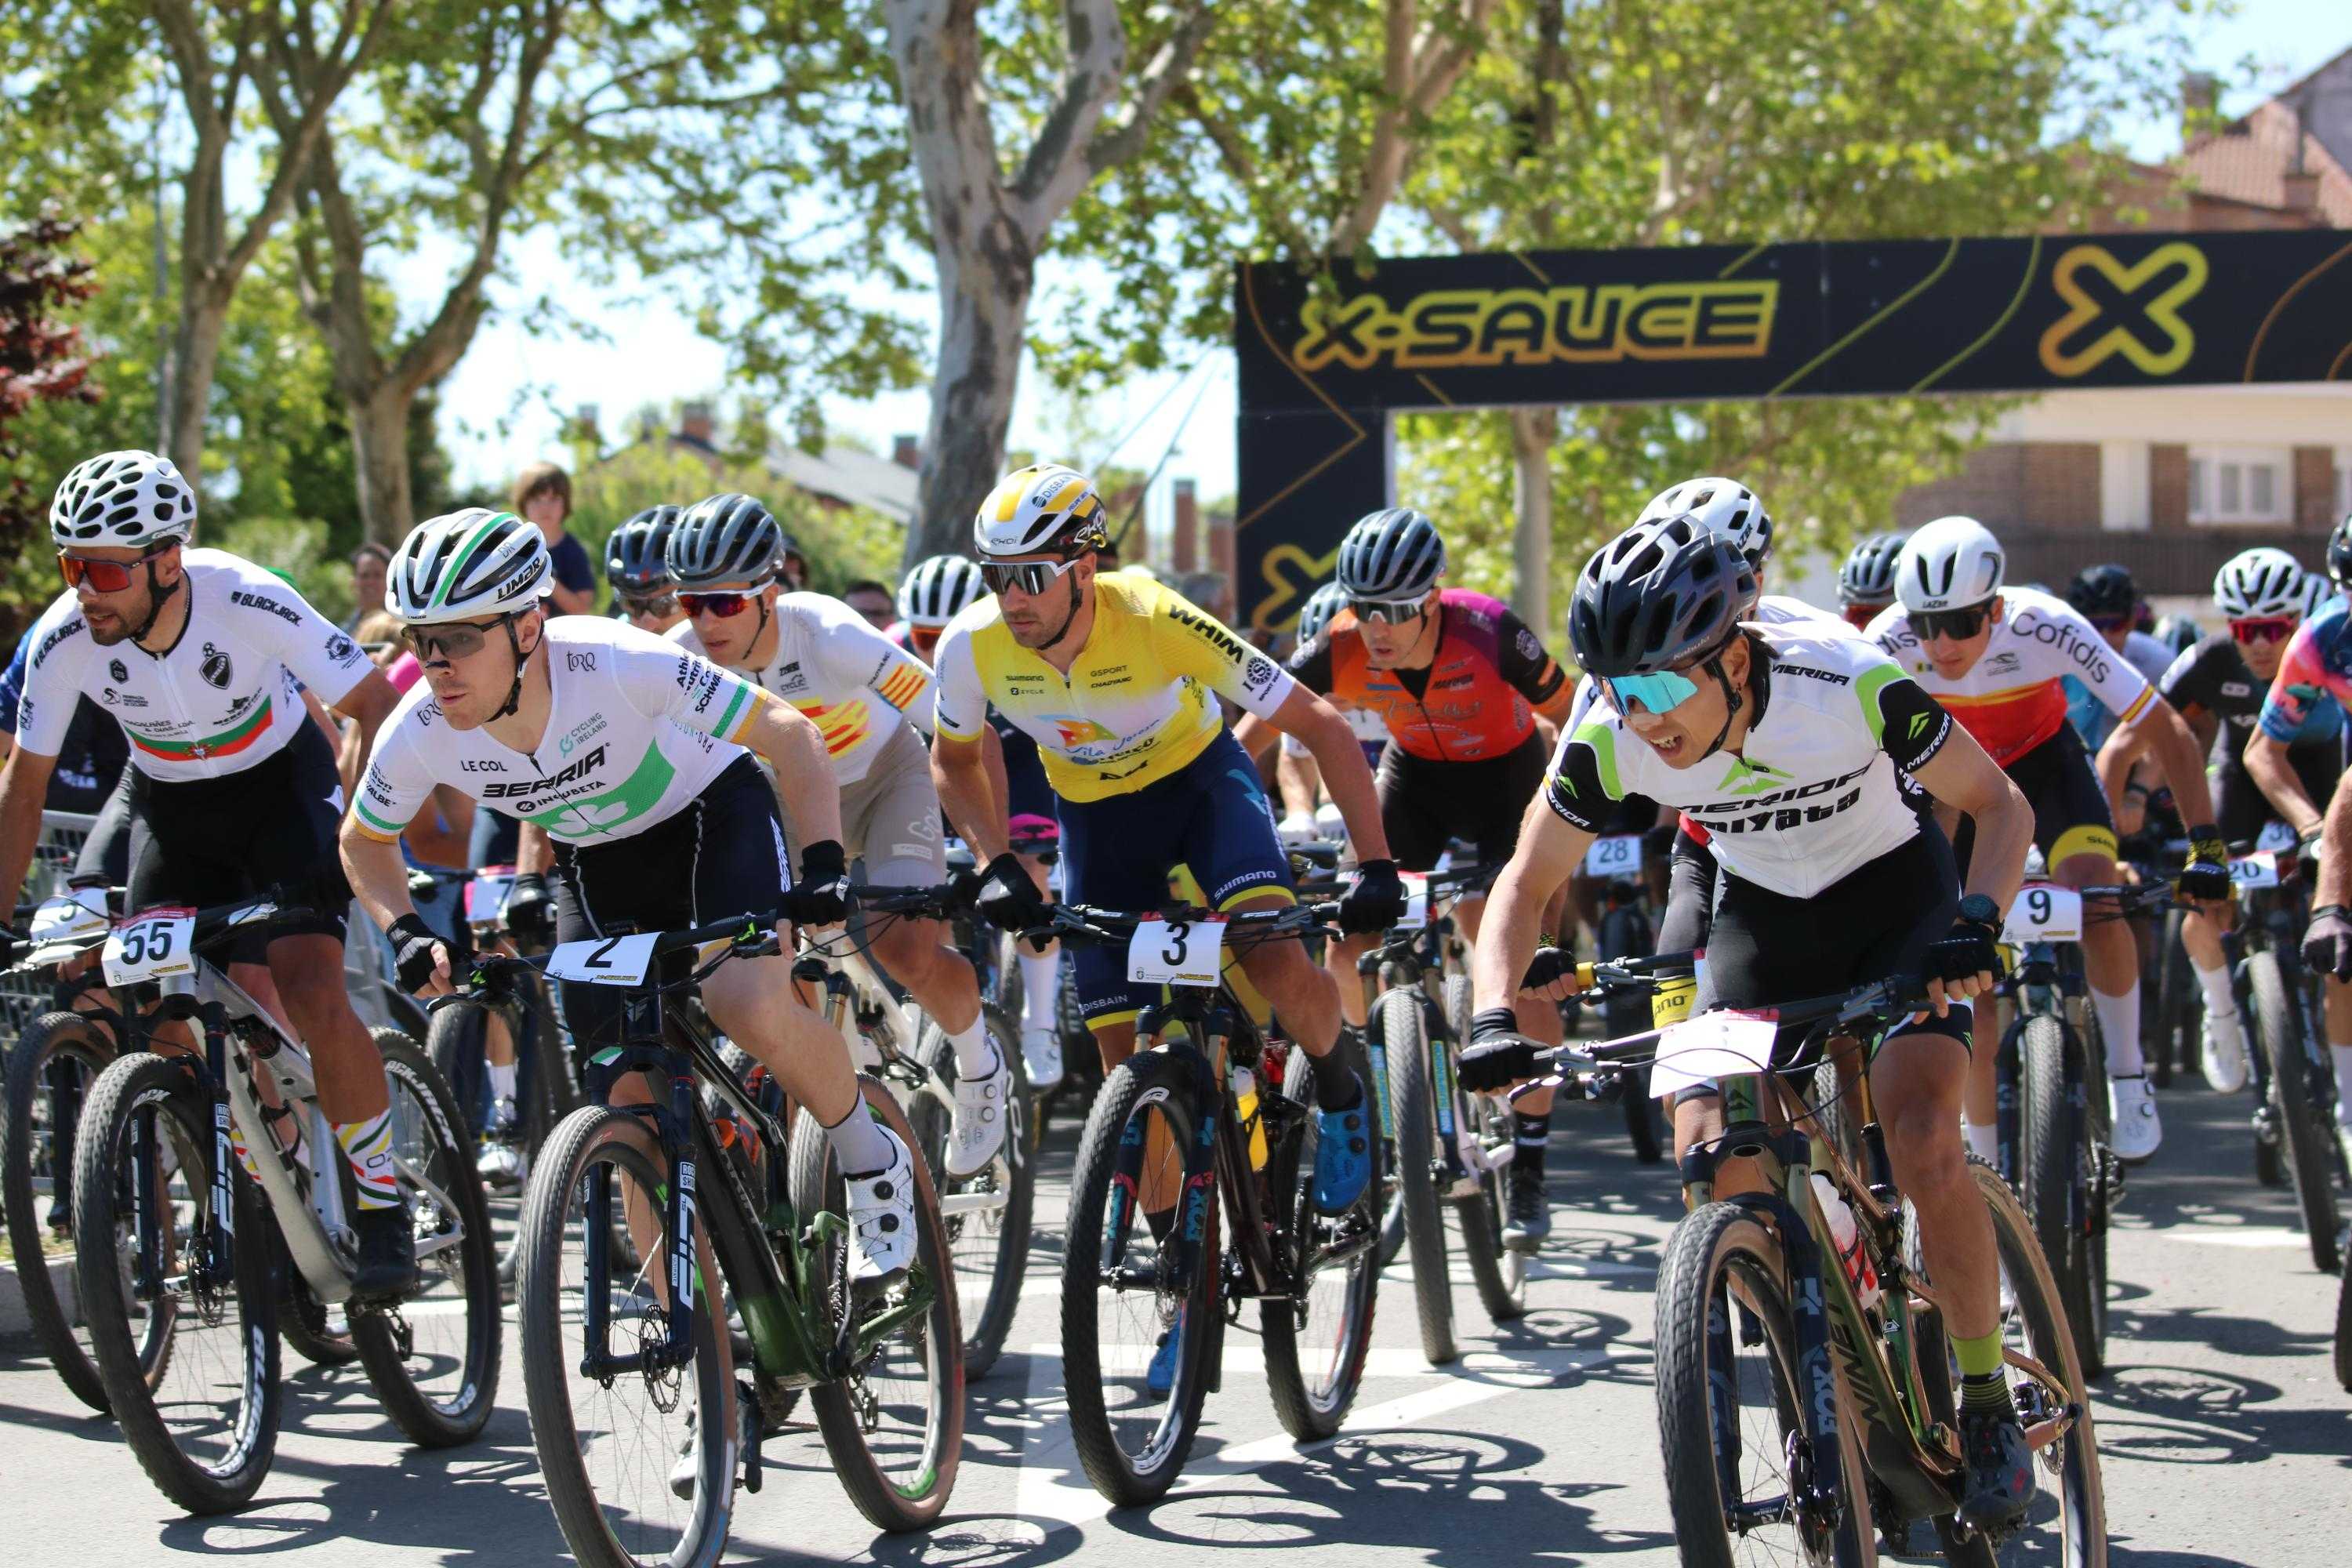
x,y
676,1348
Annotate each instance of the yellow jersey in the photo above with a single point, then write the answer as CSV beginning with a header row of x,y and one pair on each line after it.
x,y
1136,703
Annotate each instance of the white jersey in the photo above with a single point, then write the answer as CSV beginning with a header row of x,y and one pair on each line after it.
x,y
857,685
1811,796
1771,610
217,701
638,728
2013,698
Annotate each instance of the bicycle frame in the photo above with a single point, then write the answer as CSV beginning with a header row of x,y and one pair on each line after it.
x,y
2046,980
1423,961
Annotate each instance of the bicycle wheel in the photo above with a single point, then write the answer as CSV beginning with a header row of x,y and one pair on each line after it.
x,y
2303,1128
2344,1330
50,1071
205,1428
1124,1307
1404,1036
987,1213
316,1332
1728,1404
1499,1274
607,1446
456,1040
2066,1469
895,1425
434,1358
2054,1176
1317,1337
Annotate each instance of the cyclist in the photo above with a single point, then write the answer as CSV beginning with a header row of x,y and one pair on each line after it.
x,y
1299,786
2261,594
1998,658
2109,598
1867,581
872,701
232,789
1786,742
2317,668
635,567
631,754
1116,676
1458,682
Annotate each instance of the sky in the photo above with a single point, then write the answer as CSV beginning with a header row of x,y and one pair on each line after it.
x,y
495,419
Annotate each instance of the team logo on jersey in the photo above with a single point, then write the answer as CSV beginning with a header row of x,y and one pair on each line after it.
x,y
341,649
215,668
1078,734
115,669
1754,778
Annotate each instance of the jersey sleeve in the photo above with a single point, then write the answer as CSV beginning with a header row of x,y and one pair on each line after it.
x,y
280,621
397,783
1583,788
663,680
2121,689
1310,663
1192,642
1520,659
54,676
2188,682
12,684
1910,726
2299,686
959,702
853,654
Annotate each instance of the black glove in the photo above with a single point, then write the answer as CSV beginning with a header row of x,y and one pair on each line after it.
x,y
1968,948
963,887
2327,942
530,910
413,951
1548,964
1008,899
2207,875
1376,902
821,897
1498,1056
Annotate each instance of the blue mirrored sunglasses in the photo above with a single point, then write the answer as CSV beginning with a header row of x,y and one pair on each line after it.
x,y
1657,693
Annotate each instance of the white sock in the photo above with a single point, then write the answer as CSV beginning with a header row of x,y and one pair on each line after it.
x,y
2119,1023
2343,1054
502,1080
2215,984
1041,987
975,1057
1984,1142
857,1142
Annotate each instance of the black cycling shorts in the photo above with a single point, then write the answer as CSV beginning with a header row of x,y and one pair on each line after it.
x,y
104,858
204,842
723,854
1424,805
2070,809
1691,879
2241,810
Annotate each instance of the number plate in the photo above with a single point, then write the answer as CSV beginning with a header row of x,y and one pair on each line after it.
x,y
2275,836
2043,912
605,961
1417,900
1711,1047
70,917
1176,952
1619,855
486,898
150,946
2255,872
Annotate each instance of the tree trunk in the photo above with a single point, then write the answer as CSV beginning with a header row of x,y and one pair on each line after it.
x,y
1533,431
380,456
984,313
195,355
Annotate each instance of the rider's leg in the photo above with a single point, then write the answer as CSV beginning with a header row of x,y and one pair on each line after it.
x,y
942,981
2338,1004
2226,1052
1041,972
308,970
1339,956
751,1001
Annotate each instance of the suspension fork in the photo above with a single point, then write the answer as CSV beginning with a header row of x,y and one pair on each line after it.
x,y
220,1237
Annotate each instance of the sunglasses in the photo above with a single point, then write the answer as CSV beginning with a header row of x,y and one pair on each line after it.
x,y
106,576
1387,612
1957,624
1032,577
1659,693
661,604
2263,628
697,606
451,639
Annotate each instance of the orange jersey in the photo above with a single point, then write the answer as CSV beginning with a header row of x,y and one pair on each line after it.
x,y
1478,697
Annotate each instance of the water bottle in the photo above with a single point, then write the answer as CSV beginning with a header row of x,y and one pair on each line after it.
x,y
1246,1104
1860,1273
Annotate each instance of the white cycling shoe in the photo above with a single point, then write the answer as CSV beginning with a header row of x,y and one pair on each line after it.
x,y
977,1131
1041,1051
882,1217
2223,1054
2138,1134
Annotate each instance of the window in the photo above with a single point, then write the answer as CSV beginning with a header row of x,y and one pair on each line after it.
x,y
2240,485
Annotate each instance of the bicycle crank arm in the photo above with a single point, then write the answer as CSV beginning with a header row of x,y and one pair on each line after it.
x,y
952,1204
2041,1434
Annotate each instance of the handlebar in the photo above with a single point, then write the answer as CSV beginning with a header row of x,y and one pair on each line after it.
x,y
1087,924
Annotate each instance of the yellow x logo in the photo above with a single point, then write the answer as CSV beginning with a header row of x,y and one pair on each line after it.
x,y
1291,575
2138,312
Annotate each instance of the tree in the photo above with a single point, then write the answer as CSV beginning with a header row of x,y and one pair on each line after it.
x,y
41,358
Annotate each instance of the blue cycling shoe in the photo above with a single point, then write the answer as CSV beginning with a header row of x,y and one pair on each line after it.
x,y
1343,1155
1161,1376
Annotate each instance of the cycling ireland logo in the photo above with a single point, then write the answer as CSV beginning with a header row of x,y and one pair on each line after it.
x,y
2114,310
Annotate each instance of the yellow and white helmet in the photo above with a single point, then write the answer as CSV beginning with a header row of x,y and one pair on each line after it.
x,y
1045,506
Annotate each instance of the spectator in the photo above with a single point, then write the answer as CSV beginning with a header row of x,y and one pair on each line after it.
x,y
873,601
543,495
369,562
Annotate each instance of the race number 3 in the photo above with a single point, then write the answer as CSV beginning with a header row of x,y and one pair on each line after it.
x,y
1176,952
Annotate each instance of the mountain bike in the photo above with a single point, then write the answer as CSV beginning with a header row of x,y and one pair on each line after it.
x,y
1792,1417
651,1228
201,1176
1452,1150
1207,1109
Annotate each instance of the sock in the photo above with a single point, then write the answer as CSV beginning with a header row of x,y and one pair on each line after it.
x,y
2215,984
502,1080
1336,1087
857,1142
975,1053
2343,1054
2119,1025
1984,1381
367,1145
1984,1142
1041,988
1529,1134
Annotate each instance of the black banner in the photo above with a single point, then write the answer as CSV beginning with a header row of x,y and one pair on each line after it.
x,y
1322,368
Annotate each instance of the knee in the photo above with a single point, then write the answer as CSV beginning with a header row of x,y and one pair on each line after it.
x,y
1923,1143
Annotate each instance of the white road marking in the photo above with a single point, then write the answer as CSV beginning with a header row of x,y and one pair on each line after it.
x,y
2252,1235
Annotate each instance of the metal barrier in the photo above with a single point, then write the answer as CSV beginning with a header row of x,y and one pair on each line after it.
x,y
25,995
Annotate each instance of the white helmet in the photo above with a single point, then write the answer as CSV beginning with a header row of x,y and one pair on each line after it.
x,y
468,566
2263,582
122,498
1719,506
1949,564
1043,507
937,589
2317,591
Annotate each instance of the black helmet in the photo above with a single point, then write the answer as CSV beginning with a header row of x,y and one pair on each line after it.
x,y
2340,552
1395,554
725,539
1868,575
633,556
2104,590
1660,594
